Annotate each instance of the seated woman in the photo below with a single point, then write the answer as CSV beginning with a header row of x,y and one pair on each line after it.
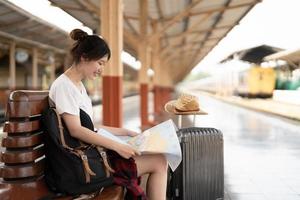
x,y
90,53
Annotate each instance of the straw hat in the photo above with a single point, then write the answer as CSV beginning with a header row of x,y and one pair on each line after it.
x,y
186,104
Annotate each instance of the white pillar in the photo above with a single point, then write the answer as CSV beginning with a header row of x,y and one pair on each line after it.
x,y
12,66
34,68
52,69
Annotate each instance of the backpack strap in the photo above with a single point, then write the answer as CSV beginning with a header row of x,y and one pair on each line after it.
x,y
51,103
60,126
103,154
61,131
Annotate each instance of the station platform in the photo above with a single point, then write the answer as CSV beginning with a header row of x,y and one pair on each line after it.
x,y
268,106
261,150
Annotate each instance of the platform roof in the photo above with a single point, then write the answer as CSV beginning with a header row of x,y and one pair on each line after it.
x,y
254,54
27,30
291,56
188,30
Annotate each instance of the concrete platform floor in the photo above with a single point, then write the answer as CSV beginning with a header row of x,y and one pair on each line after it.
x,y
270,106
261,151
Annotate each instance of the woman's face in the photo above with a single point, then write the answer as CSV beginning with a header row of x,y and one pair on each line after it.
x,y
94,68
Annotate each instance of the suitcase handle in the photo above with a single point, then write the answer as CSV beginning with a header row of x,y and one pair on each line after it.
x,y
180,121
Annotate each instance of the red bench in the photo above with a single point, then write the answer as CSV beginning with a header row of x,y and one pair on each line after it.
x,y
22,151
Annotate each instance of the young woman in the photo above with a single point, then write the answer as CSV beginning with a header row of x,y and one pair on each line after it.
x,y
90,53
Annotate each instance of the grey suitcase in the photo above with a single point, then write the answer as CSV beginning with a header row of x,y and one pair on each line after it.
x,y
200,176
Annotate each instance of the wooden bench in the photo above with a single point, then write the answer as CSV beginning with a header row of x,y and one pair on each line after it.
x,y
22,151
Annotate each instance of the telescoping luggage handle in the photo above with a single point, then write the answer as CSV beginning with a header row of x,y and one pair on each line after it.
x,y
180,121
194,118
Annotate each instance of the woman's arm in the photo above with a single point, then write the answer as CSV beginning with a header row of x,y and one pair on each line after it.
x,y
119,131
76,130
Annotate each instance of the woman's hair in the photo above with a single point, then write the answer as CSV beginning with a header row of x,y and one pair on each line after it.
x,y
90,47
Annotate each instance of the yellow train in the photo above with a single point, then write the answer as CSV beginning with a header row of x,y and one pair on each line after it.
x,y
256,82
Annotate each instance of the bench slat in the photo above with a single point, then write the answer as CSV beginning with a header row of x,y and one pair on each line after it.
x,y
25,156
32,190
25,109
22,141
112,193
22,171
28,95
19,127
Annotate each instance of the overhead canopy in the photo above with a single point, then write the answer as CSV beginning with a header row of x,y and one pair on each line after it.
x,y
291,56
253,55
27,30
187,30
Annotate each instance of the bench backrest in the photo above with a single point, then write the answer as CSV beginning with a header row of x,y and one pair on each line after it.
x,y
23,152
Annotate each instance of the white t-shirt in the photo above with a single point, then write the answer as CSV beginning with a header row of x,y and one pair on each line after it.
x,y
68,98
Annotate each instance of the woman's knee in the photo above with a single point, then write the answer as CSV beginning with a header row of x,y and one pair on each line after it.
x,y
161,164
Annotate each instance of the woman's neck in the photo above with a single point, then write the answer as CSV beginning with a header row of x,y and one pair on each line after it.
x,y
74,74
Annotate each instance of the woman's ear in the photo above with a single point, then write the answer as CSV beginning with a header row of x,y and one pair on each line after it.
x,y
82,59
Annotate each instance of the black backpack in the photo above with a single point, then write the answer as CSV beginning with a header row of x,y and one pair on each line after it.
x,y
72,167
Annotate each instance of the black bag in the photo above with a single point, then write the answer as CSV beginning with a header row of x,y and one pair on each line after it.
x,y
72,167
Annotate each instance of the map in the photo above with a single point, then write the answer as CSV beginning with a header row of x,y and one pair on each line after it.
x,y
161,138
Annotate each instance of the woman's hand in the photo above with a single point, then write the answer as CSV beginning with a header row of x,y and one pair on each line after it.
x,y
125,151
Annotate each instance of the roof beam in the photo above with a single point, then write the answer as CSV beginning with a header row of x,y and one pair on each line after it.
x,y
143,18
126,20
12,24
21,29
174,20
160,13
195,26
183,34
6,13
67,7
90,6
192,44
201,31
131,39
31,42
131,17
222,9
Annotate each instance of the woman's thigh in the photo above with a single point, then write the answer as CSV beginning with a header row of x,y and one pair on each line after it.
x,y
150,163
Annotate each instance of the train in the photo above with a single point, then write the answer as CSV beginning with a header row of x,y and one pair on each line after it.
x,y
253,82
256,82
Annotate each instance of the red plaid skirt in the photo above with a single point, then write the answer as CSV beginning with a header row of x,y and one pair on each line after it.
x,y
126,176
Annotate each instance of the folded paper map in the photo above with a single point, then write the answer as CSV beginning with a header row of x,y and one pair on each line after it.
x,y
161,138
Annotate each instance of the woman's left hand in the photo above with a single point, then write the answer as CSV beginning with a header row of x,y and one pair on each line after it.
x,y
131,133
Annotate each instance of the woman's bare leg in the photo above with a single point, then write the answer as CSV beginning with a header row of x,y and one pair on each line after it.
x,y
156,166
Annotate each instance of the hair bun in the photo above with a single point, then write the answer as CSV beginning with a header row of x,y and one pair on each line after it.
x,y
78,34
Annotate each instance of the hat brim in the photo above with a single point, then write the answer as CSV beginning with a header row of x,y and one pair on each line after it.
x,y
170,108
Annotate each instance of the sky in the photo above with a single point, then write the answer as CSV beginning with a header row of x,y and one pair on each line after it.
x,y
271,22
